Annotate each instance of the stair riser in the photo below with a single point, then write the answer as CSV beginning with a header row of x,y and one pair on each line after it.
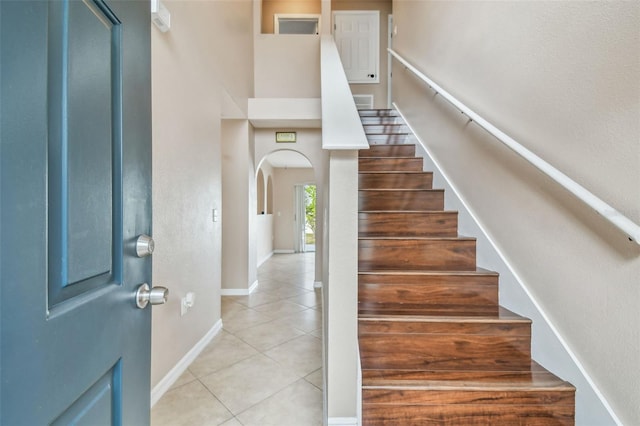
x,y
387,139
433,254
381,120
390,164
377,113
420,328
420,378
426,224
427,200
423,290
467,415
444,351
395,180
385,129
388,151
486,397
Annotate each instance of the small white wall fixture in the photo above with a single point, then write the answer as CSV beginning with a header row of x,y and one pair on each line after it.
x,y
160,16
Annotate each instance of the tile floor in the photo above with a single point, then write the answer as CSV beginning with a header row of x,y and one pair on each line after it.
x,y
265,366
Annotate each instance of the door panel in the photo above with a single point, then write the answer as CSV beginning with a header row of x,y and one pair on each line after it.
x,y
357,38
99,405
84,148
75,176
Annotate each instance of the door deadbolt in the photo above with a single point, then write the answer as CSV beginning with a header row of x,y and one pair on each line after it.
x,y
144,246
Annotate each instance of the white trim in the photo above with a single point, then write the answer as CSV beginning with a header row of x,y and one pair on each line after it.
x,y
283,251
342,421
174,374
317,284
540,331
239,291
296,16
264,259
389,60
363,101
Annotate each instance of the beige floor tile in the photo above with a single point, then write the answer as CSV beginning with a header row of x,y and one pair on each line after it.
x,y
225,350
315,378
189,405
256,298
244,318
287,291
229,306
186,377
248,382
280,308
301,355
231,422
296,405
266,336
309,299
283,318
307,321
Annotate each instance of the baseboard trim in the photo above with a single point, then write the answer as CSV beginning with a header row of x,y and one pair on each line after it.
x,y
342,421
317,284
283,251
239,291
167,381
264,259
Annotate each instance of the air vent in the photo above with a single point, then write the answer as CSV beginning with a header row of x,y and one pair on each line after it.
x,y
363,101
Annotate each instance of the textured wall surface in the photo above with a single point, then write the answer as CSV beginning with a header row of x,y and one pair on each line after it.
x,y
192,65
563,78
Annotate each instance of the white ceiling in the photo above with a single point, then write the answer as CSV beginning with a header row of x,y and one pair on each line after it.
x,y
290,159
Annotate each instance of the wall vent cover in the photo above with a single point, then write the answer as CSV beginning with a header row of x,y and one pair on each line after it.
x,y
363,101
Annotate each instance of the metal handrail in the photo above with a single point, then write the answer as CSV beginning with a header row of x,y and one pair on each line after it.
x,y
623,223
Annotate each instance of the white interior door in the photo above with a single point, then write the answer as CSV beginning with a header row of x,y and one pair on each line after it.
x,y
357,36
299,219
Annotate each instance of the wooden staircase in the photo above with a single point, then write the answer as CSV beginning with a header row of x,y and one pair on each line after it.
x,y
435,346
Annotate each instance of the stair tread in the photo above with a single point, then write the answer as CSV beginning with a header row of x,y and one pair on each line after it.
x,y
429,272
393,172
408,211
387,133
402,189
389,157
428,238
535,378
432,310
503,315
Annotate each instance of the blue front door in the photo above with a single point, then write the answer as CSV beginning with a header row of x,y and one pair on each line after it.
x,y
75,181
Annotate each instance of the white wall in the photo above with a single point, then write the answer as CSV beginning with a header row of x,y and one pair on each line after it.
x,y
287,66
264,222
188,82
562,78
239,208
